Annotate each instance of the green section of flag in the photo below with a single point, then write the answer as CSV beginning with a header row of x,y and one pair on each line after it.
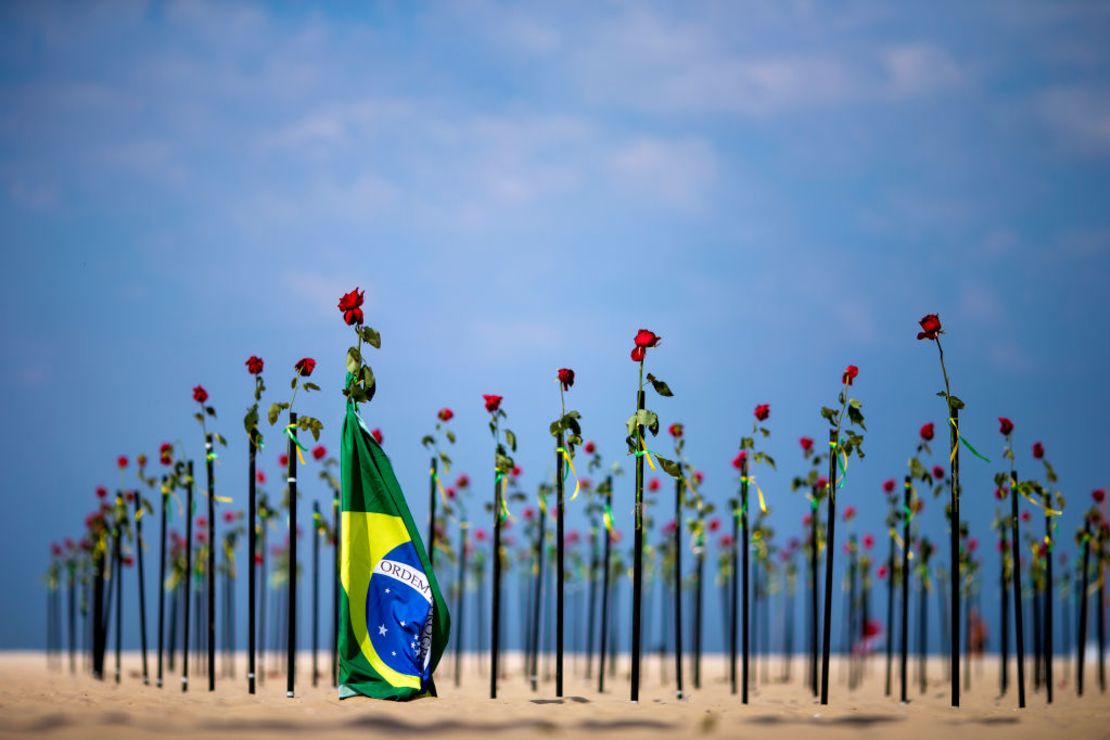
x,y
375,522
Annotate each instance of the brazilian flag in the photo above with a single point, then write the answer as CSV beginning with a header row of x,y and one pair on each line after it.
x,y
393,621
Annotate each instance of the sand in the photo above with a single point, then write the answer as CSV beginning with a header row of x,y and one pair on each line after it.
x,y
36,701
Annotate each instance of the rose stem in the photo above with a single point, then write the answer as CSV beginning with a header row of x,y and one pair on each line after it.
x,y
601,650
251,549
432,512
559,566
185,581
211,563
142,586
1015,567
638,552
678,586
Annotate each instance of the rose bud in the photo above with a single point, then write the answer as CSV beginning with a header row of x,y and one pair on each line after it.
x,y
888,485
675,430
938,472
740,459
638,354
1038,450
1000,494
927,431
101,491
451,493
377,435
202,521
762,411
699,477
822,483
714,524
1099,495
254,364
1026,516
806,443
868,542
446,414
590,448
1005,426
669,527
872,629
653,484
849,513
260,476
493,403
229,517
305,366
319,452
566,378
462,481
849,375
283,460
121,462
199,394
129,496
930,326
646,339
881,572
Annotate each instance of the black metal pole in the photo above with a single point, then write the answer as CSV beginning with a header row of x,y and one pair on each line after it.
x,y
814,643
291,616
830,553
591,616
734,607
72,615
605,593
263,597
534,651
954,554
745,629
252,548
162,578
432,512
889,615
315,589
637,559
907,488
1049,542
1100,621
460,601
699,603
139,547
337,528
678,586
1015,556
1081,658
119,598
1004,617
209,459
559,573
495,622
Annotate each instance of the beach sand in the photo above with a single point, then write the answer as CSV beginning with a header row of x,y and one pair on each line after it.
x,y
37,701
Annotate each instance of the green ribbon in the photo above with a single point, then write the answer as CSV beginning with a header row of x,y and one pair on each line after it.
x,y
835,446
967,444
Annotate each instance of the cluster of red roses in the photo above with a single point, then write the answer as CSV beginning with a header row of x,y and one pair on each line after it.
x,y
644,341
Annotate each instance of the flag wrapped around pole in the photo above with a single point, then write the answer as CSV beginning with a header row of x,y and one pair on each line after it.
x,y
394,623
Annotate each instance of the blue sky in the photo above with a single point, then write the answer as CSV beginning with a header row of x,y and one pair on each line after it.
x,y
777,189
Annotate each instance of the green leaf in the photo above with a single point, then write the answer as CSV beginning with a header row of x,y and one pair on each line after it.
x,y
511,439
211,411
672,468
311,387
856,416
428,440
366,377
354,360
955,403
450,436
371,337
829,414
660,387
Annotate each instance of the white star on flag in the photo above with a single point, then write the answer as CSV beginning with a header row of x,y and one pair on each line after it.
x,y
382,630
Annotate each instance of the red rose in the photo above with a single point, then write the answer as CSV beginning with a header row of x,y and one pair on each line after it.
x,y
714,524
199,394
462,481
1026,516
822,483
446,414
129,496
669,528
283,460
868,542
56,550
762,411
927,431
849,375
738,461
1099,495
699,477
807,520
653,484
258,559
675,430
638,354
515,472
590,448
254,364
930,327
305,366
493,403
1038,450
881,572
572,537
972,545
480,535
202,521
528,513
1005,426
350,304
121,462
938,472
319,452
566,378
260,476
647,339
451,493
201,537
140,460
888,485
726,541
128,561
229,517
101,492
806,443
377,435
849,513
1000,494
872,628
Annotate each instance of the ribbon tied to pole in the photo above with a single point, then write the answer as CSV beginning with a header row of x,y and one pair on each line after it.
x,y
570,469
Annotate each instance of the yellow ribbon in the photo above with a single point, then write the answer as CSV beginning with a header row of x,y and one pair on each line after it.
x,y
439,485
570,462
1048,510
504,503
645,452
607,517
843,463
296,442
758,490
